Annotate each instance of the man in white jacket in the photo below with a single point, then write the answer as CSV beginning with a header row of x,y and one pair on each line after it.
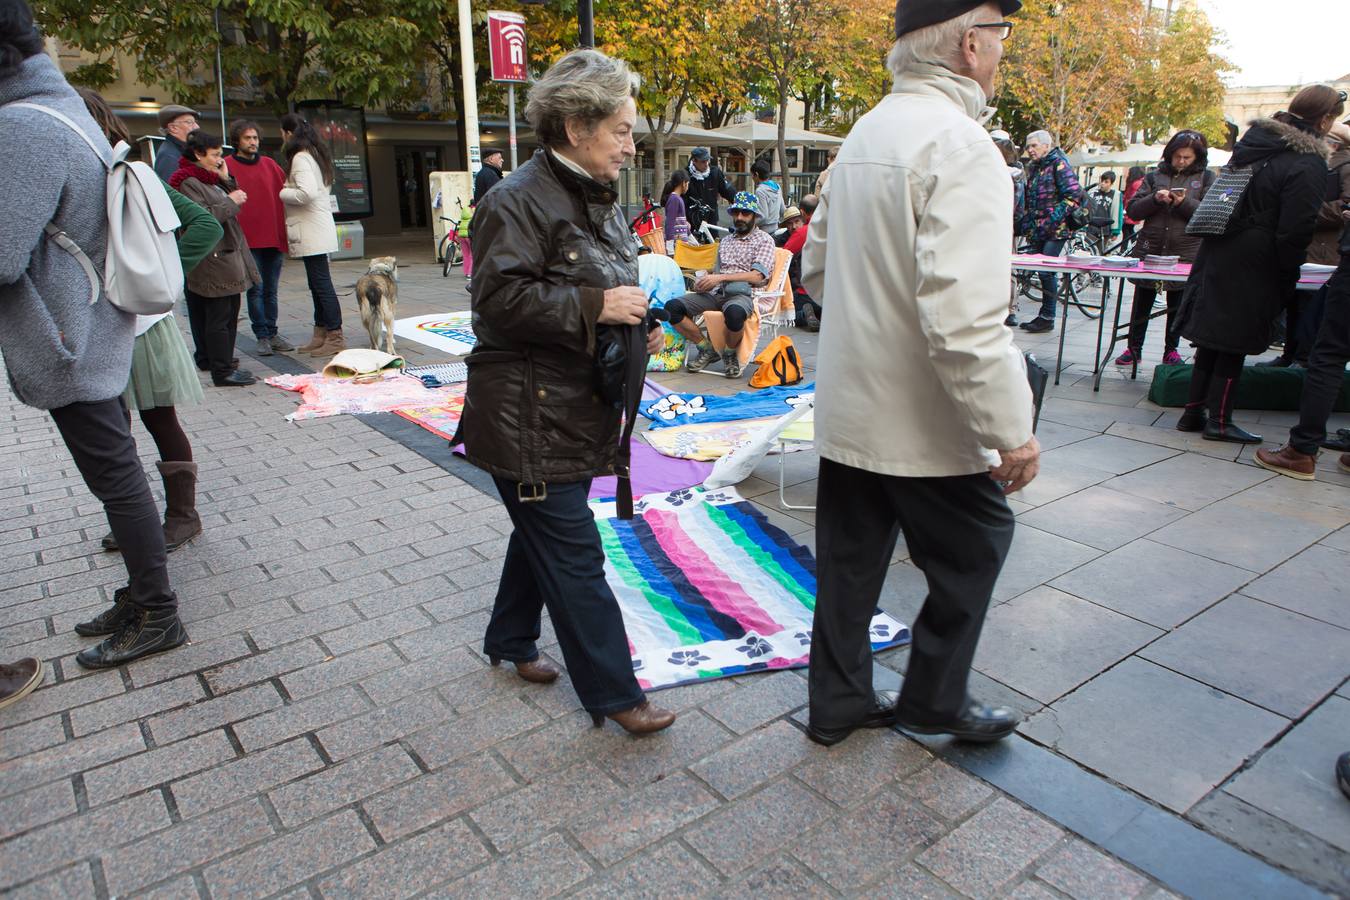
x,y
923,412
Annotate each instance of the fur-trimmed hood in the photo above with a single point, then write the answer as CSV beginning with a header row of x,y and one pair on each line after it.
x,y
1268,136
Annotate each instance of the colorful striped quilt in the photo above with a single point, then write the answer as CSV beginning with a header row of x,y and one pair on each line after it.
x,y
710,588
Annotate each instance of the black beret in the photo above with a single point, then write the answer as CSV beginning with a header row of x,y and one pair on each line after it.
x,y
911,15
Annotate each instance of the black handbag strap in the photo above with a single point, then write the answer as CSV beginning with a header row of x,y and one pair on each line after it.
x,y
635,375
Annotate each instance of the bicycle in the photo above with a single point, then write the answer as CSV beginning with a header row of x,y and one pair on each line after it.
x,y
449,251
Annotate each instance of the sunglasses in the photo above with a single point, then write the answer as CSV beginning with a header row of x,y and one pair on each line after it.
x,y
1005,28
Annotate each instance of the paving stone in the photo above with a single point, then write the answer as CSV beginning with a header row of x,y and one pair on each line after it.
x,y
69,758
862,765
433,641
45,849
1108,453
1030,890
755,759
1058,481
766,698
50,697
336,671
384,724
1295,781
308,624
205,626
666,871
261,666
861,845
75,881
135,705
912,883
407,868
288,860
1085,873
1313,583
394,684
373,631
1189,481
641,818
438,796
561,744
184,887
310,714
947,790
1046,642
522,817
545,869
991,848
157,766
195,657
204,715
254,773
185,846
1248,534
346,782
1101,518
738,835
782,878
452,603
419,594
1173,752
1153,582
31,737
38,806
1037,557
330,594
473,732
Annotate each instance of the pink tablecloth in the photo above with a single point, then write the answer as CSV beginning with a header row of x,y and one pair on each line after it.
x,y
1180,271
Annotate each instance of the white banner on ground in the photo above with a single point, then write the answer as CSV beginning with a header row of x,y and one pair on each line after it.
x,y
450,332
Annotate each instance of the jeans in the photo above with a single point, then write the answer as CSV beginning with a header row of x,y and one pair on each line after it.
x,y
98,436
1049,280
327,312
958,530
1326,364
262,298
214,322
554,559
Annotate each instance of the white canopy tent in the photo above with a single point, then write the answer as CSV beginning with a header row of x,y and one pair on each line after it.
x,y
765,134
682,135
1135,155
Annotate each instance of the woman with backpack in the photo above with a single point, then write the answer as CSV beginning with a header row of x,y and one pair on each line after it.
x,y
672,201
1242,277
1165,203
310,229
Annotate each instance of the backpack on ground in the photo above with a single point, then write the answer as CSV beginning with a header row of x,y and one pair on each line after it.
x,y
778,364
1214,215
142,272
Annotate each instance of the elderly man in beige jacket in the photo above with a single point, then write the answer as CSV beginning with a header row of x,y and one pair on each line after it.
x,y
923,412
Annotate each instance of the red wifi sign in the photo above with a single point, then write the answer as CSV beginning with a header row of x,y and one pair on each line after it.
x,y
506,46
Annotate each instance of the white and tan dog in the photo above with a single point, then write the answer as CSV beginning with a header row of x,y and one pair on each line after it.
x,y
377,293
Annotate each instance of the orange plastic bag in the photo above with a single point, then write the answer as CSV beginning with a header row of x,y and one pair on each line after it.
x,y
778,364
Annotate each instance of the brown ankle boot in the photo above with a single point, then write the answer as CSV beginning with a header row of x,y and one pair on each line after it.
x,y
1288,461
536,671
641,719
181,522
334,344
315,341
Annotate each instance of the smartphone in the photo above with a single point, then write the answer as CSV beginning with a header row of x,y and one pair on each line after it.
x,y
1178,194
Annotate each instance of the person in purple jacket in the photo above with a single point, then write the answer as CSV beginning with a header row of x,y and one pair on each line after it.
x,y
672,200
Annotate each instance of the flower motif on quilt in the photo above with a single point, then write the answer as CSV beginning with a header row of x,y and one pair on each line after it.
x,y
637,665
672,406
754,647
803,638
798,399
717,497
679,498
689,658
881,630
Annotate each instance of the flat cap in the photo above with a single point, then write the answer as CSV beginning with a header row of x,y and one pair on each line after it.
x,y
168,113
700,153
911,15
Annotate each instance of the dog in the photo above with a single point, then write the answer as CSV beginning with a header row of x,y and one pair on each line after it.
x,y
377,292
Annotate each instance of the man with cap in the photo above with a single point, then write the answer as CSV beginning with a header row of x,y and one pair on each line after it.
x,y
176,122
744,262
790,223
707,182
923,412
488,176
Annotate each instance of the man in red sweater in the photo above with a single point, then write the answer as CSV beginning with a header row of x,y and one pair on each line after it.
x,y
263,219
808,310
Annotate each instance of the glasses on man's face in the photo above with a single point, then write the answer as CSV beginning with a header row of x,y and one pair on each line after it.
x,y
1004,29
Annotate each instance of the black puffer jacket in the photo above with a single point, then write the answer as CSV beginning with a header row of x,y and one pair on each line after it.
x,y
547,244
1241,280
1164,231
702,197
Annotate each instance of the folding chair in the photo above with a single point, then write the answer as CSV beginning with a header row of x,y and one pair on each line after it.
x,y
769,312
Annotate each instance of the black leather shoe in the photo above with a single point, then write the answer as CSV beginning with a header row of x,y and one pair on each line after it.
x,y
235,379
1193,418
1216,430
143,633
881,715
1038,325
979,724
108,621
1279,362
1011,321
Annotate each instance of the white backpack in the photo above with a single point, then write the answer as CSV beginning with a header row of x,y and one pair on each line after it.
x,y
143,273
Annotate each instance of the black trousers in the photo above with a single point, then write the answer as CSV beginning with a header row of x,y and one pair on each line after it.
x,y
214,323
958,531
1326,364
554,559
1140,311
1208,365
98,436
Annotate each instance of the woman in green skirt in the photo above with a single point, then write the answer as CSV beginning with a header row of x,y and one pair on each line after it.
x,y
162,372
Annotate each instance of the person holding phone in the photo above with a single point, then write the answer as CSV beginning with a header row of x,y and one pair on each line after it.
x,y
1165,202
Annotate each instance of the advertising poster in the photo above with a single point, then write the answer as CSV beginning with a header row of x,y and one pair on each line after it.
x,y
343,128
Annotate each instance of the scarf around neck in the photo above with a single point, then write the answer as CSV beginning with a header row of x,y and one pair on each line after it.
x,y
696,174
189,169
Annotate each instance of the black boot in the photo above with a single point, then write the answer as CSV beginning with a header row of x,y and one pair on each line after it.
x,y
108,621
1219,426
1192,418
143,633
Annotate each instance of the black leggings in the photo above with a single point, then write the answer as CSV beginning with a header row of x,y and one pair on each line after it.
x,y
170,440
1210,364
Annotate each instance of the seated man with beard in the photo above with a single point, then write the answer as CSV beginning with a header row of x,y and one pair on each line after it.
x,y
744,262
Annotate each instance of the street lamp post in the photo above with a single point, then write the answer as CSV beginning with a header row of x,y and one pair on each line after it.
x,y
586,23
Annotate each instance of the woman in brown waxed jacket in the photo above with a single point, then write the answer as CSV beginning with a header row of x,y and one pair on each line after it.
x,y
555,265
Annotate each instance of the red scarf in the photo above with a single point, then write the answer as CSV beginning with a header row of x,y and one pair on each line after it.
x,y
189,169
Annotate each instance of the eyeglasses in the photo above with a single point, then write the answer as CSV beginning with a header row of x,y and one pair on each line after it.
x,y
1341,94
1004,27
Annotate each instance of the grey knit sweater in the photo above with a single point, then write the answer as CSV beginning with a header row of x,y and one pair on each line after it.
x,y
58,348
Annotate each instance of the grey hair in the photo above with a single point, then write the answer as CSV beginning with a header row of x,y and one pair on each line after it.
x,y
584,85
935,45
1041,137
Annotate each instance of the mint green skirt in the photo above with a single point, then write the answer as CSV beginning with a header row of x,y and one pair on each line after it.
x,y
162,373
